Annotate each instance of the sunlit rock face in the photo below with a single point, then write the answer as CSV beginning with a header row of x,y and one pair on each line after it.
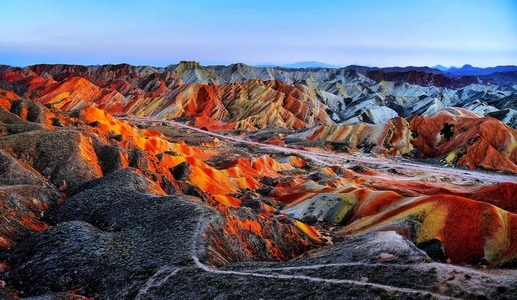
x,y
82,165
249,105
124,182
244,97
392,138
463,138
467,231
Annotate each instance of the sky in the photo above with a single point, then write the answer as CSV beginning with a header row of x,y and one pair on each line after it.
x,y
379,33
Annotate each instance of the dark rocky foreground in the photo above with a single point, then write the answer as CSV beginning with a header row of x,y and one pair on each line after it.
x,y
113,239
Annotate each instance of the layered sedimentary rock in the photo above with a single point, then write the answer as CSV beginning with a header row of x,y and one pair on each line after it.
x,y
272,193
97,144
463,138
246,98
393,138
350,94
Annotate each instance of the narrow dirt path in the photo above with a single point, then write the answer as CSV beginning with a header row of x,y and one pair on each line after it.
x,y
256,273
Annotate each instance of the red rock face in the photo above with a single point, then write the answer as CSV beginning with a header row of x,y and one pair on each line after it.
x,y
466,140
5,99
469,231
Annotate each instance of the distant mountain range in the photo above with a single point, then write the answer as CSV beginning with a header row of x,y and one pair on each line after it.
x,y
310,64
470,70
452,71
300,65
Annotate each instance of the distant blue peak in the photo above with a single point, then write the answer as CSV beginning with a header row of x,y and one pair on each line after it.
x,y
310,64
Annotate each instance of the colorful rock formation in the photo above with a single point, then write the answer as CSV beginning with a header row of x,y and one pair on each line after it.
x,y
154,180
462,138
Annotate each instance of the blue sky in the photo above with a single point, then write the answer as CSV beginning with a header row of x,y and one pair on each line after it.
x,y
342,32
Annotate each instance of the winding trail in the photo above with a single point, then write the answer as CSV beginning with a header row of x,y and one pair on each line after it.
x,y
255,273
160,277
339,159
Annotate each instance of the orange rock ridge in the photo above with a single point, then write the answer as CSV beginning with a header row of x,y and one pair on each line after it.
x,y
219,186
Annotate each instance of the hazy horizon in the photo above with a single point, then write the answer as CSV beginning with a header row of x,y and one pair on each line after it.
x,y
288,65
376,33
